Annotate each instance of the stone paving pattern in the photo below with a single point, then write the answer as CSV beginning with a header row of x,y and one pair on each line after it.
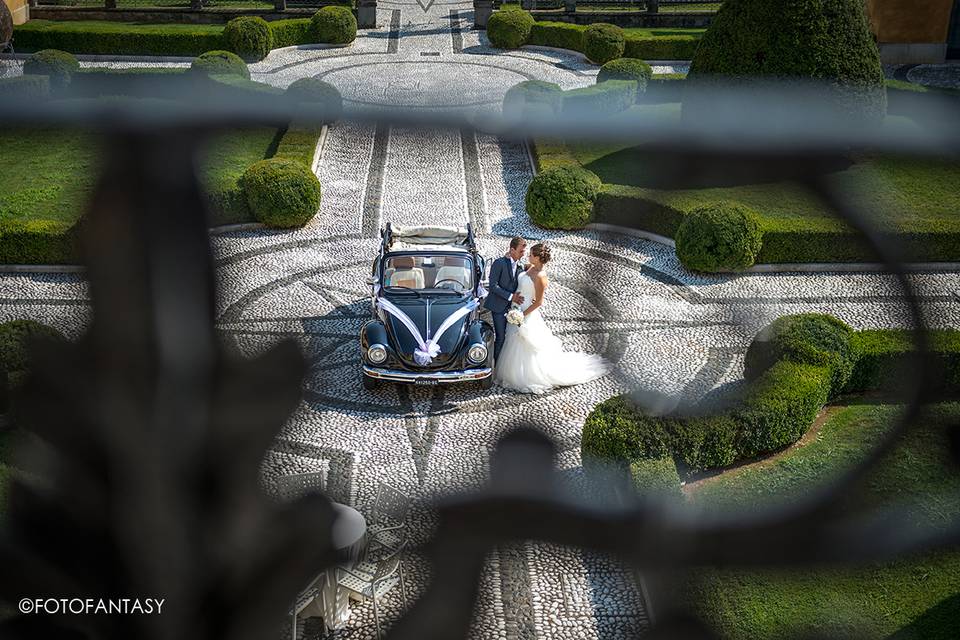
x,y
665,329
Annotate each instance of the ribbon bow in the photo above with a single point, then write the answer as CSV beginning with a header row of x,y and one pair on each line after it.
x,y
428,349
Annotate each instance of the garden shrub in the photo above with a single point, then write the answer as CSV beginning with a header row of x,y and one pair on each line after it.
x,y
562,198
724,235
509,28
631,69
883,357
249,37
242,88
281,193
318,92
16,338
604,99
57,65
291,32
25,87
334,25
656,477
32,241
603,42
532,97
561,35
677,47
299,143
220,63
808,338
820,40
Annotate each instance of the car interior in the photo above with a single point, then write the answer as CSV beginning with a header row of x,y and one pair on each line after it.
x,y
425,272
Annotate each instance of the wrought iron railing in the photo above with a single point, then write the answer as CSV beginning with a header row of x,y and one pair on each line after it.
x,y
148,481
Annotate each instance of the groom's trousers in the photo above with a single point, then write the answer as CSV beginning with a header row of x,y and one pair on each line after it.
x,y
500,332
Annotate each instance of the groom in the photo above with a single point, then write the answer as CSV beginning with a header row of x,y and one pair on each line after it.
x,y
502,291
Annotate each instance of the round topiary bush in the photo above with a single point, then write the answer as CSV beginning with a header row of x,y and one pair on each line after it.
x,y
532,97
334,25
58,65
562,198
633,69
509,28
316,91
603,42
225,63
720,236
249,37
806,338
819,40
281,193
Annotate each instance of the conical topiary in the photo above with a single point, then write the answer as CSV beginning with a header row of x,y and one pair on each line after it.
x,y
828,41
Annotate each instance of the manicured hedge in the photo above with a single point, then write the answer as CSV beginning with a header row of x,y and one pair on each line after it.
x,y
627,69
318,93
16,337
562,198
125,38
37,242
299,143
220,63
532,97
604,99
25,87
603,42
816,357
282,193
717,237
509,28
119,38
656,476
571,36
58,66
249,37
334,25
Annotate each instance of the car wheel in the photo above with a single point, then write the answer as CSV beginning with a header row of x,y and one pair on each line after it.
x,y
369,383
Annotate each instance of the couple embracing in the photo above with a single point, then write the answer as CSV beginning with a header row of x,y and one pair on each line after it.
x,y
529,358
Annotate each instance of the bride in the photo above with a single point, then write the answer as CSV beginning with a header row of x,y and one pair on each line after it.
x,y
533,359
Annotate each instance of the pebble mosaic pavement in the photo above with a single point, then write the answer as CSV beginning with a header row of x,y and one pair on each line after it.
x,y
664,328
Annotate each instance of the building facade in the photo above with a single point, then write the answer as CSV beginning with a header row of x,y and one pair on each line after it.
x,y
916,31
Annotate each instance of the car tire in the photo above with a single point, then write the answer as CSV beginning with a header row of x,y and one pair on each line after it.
x,y
370,384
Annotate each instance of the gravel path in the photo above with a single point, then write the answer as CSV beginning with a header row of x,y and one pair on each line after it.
x,y
665,329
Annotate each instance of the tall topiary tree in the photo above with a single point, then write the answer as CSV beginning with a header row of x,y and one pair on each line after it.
x,y
822,40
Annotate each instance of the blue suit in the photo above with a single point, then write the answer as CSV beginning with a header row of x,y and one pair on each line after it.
x,y
503,284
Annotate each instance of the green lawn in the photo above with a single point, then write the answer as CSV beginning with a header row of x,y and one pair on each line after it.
x,y
901,194
49,174
910,599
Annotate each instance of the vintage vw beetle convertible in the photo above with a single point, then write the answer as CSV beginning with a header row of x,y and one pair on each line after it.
x,y
426,294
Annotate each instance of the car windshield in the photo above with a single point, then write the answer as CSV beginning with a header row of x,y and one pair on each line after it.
x,y
438,272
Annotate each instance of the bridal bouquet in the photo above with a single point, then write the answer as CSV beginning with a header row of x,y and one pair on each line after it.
x,y
515,316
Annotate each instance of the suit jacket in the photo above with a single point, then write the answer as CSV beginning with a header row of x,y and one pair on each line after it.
x,y
503,284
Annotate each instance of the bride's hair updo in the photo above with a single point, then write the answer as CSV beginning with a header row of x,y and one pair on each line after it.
x,y
542,251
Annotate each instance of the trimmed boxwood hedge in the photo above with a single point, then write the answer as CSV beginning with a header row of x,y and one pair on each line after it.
x,y
249,37
627,69
532,97
717,237
509,28
604,99
603,42
562,198
282,193
570,36
334,25
820,357
37,242
316,91
25,87
220,63
58,66
125,38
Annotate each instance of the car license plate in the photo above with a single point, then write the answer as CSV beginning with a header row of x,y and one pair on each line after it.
x,y
425,382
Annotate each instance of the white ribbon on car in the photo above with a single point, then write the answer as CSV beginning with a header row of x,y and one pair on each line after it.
x,y
428,349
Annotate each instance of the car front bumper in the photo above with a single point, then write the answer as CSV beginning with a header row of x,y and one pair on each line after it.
x,y
427,377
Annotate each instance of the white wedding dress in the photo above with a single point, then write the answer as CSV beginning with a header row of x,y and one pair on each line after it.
x,y
533,360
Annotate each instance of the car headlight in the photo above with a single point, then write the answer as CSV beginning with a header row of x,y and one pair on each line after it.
x,y
477,353
377,353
